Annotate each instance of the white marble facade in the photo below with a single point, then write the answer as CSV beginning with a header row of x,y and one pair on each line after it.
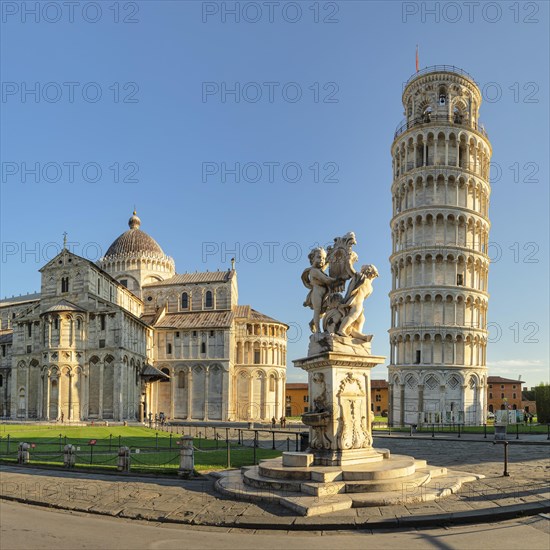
x,y
439,262
127,338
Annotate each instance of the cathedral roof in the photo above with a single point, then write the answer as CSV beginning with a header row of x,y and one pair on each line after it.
x,y
251,314
195,278
6,336
18,300
196,320
153,374
63,305
135,242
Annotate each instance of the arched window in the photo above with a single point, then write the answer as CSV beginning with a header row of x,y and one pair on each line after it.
x,y
203,347
64,284
184,300
181,379
167,372
1,381
442,95
208,301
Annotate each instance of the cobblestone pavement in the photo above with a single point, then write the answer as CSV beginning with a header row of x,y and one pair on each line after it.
x,y
195,502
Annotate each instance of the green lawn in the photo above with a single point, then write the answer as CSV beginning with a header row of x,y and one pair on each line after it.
x,y
151,451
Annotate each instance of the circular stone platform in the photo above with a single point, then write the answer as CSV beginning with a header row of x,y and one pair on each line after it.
x,y
312,490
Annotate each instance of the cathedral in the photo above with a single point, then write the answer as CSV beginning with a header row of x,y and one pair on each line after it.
x,y
127,338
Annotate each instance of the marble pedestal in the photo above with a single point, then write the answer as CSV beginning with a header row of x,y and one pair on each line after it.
x,y
341,469
339,395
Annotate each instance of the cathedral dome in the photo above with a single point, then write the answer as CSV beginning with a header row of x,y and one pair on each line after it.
x,y
135,242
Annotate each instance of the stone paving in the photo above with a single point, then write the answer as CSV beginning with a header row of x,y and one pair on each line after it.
x,y
195,502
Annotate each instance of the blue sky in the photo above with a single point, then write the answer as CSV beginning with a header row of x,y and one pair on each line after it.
x,y
163,124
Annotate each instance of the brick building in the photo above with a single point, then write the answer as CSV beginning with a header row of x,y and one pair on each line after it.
x,y
379,394
296,399
504,393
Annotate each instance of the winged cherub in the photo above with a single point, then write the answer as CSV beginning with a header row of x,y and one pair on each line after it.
x,y
359,289
319,284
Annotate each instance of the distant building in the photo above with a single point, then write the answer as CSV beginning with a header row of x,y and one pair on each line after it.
x,y
504,393
296,399
379,392
528,400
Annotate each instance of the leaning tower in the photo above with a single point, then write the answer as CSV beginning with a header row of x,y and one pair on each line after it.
x,y
439,261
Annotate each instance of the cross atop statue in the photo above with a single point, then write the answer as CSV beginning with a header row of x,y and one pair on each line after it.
x,y
64,240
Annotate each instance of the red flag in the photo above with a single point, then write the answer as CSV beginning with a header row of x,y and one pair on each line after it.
x,y
417,58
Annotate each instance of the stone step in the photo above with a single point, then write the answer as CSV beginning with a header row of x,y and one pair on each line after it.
x,y
434,471
314,506
233,486
324,489
253,478
402,484
326,474
388,469
432,490
274,469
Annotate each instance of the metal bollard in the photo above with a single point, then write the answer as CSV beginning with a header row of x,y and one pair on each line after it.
x,y
187,457
123,464
69,457
23,454
505,443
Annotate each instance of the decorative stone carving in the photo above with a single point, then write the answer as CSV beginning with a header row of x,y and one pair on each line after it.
x,y
321,416
318,283
342,315
353,431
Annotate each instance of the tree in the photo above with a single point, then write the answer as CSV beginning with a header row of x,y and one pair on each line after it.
x,y
542,397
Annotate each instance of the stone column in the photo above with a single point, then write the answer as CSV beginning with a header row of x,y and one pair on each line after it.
x,y
206,391
27,391
39,403
189,393
48,389
402,404
70,395
390,402
173,386
420,404
122,389
276,407
101,367
250,395
226,394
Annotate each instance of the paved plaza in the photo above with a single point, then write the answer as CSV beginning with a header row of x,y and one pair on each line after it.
x,y
194,501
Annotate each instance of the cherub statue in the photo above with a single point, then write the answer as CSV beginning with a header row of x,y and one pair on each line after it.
x,y
319,284
359,289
